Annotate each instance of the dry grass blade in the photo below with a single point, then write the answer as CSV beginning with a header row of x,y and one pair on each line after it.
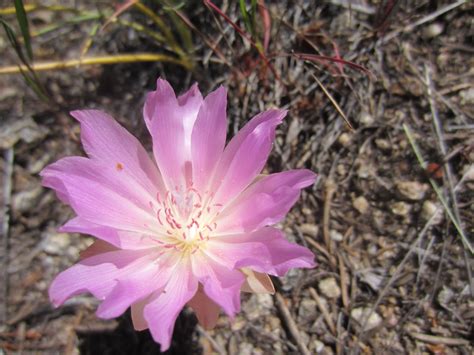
x,y
333,101
110,59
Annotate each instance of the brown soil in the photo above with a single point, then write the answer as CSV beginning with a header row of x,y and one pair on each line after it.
x,y
391,278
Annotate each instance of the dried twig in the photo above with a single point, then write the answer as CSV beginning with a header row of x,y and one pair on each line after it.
x,y
292,327
324,310
330,188
7,192
344,282
435,339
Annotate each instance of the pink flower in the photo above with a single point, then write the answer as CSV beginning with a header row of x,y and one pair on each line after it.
x,y
190,228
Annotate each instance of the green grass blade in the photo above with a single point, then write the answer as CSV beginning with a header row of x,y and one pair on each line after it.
x,y
437,189
24,27
11,35
245,16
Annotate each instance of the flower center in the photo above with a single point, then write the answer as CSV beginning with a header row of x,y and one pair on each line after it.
x,y
187,217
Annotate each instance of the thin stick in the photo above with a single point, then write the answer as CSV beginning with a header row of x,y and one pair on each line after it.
x,y
7,193
324,311
328,193
292,327
110,59
434,339
344,282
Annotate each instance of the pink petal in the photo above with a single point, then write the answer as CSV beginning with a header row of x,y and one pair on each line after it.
x,y
98,197
138,318
245,155
257,282
161,313
170,121
97,275
220,283
122,239
265,250
265,202
208,137
128,290
96,248
105,140
207,311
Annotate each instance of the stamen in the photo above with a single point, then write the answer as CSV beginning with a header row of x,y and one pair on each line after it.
x,y
158,216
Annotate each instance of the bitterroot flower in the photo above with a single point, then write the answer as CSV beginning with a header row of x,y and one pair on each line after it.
x,y
191,227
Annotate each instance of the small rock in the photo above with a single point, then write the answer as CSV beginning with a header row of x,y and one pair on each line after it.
x,y
469,172
291,279
238,324
304,337
344,139
274,323
383,144
56,243
36,165
318,346
364,171
445,296
309,229
257,306
25,200
412,190
361,204
371,278
467,96
400,208
307,310
360,315
14,130
341,169
366,119
433,30
336,236
330,288
245,348
429,209
265,300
